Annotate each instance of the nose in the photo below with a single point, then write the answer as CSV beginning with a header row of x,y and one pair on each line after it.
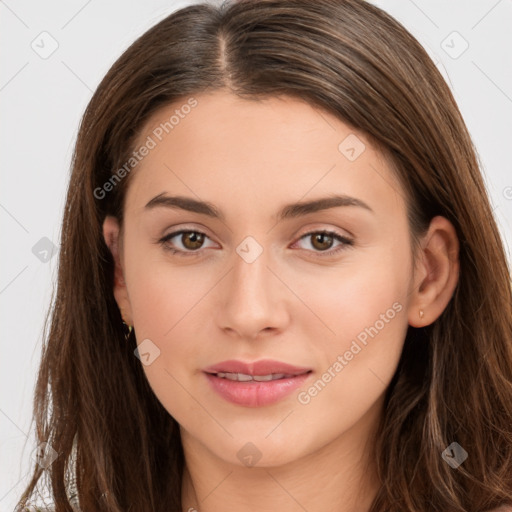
x,y
252,299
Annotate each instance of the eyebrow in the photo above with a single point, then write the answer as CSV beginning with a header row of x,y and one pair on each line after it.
x,y
289,211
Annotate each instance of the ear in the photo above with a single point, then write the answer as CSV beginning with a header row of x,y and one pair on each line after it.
x,y
436,272
111,234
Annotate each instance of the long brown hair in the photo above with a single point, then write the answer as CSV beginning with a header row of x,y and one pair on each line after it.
x,y
115,442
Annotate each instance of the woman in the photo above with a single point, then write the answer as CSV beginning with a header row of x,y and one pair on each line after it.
x,y
281,286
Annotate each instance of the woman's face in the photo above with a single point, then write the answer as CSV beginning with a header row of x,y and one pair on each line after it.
x,y
258,280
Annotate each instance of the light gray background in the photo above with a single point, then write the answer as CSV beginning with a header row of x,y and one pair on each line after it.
x,y
43,97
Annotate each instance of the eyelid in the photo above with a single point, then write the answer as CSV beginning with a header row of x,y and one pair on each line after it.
x,y
325,228
175,230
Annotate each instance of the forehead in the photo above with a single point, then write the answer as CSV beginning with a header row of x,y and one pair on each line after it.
x,y
252,153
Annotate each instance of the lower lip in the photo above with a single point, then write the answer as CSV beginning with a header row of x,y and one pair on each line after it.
x,y
255,394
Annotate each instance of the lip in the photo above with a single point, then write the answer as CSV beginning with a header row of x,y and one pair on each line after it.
x,y
261,367
252,393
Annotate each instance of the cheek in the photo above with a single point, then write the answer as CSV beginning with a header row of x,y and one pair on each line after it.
x,y
343,302
366,310
170,307
356,374
162,291
168,310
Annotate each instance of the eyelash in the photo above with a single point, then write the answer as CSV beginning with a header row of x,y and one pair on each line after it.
x,y
346,242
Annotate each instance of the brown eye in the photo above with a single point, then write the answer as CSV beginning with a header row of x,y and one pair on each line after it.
x,y
192,239
184,242
322,241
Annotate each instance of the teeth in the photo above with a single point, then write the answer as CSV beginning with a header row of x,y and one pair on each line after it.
x,y
242,377
263,378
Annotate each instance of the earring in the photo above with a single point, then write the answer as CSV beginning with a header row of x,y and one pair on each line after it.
x,y
130,327
421,313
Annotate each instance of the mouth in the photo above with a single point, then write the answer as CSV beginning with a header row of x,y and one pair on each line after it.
x,y
244,377
255,384
267,368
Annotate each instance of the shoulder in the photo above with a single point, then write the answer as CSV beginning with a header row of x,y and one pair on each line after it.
x,y
35,508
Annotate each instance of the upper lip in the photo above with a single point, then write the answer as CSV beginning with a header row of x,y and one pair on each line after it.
x,y
261,367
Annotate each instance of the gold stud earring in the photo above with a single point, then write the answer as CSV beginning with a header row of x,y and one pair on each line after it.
x,y
421,313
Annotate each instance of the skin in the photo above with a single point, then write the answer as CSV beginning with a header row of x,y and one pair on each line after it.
x,y
293,303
